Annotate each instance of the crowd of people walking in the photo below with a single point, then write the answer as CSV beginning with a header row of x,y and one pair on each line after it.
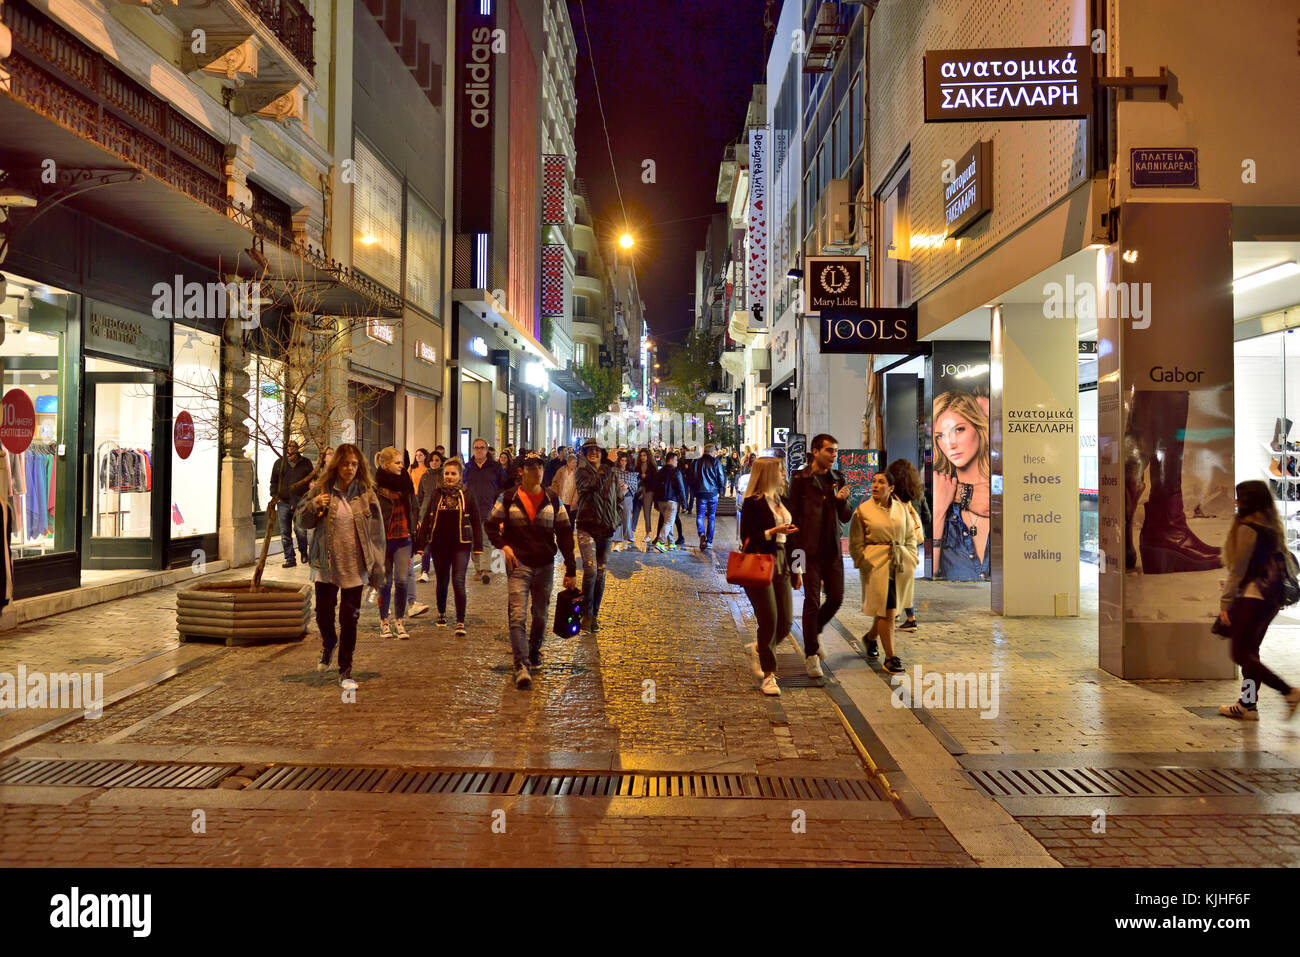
x,y
368,534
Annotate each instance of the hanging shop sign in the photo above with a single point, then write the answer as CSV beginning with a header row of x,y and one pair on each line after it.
x,y
379,331
1016,83
17,421
183,434
968,197
835,282
876,331
476,63
1167,168
478,346
757,263
425,352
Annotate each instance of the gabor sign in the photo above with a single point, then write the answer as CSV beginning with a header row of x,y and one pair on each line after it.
x,y
1021,83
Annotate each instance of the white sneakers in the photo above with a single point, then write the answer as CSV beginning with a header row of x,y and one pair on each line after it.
x,y
424,577
400,630
814,666
770,687
417,609
385,629
751,650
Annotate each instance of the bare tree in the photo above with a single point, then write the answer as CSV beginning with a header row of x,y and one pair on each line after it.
x,y
301,356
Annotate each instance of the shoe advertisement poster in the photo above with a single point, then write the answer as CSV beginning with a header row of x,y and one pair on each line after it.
x,y
1166,440
959,424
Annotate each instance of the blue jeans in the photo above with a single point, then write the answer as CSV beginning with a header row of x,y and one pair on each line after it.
x,y
530,590
706,514
284,515
593,552
397,569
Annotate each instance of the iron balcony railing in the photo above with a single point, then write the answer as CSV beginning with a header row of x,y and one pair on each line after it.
x,y
292,24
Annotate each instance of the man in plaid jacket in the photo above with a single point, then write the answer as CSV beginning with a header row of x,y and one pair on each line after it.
x,y
530,524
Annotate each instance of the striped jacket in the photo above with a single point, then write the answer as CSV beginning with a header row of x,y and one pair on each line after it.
x,y
534,542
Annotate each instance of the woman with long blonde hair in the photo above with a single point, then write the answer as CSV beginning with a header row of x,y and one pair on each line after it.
x,y
766,529
346,553
397,503
961,487
1249,601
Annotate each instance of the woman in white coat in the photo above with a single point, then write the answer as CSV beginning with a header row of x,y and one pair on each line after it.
x,y
882,543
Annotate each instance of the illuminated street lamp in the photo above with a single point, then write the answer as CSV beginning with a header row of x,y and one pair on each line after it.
x,y
626,241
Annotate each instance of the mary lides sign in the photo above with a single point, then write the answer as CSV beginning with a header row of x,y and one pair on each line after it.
x,y
835,282
868,331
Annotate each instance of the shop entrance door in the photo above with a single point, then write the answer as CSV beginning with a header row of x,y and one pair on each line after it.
x,y
125,482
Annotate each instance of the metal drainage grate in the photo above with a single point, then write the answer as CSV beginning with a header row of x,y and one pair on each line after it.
x,y
1110,782
382,780
791,672
566,784
110,774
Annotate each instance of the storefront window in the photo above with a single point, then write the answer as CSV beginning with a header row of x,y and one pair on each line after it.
x,y
37,480
1267,398
266,424
196,374
121,418
896,239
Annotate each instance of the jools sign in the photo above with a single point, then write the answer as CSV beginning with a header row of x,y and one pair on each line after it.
x,y
1020,83
868,331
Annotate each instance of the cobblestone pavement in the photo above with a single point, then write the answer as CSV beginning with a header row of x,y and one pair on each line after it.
x,y
1052,695
1244,840
665,680
665,683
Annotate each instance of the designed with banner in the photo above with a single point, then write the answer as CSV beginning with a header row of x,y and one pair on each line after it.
x,y
962,478
757,263
1165,440
1020,83
553,279
868,331
835,282
1036,510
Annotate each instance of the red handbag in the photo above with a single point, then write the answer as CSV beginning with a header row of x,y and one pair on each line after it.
x,y
750,571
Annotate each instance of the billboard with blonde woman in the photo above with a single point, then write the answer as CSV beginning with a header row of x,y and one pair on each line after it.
x,y
960,427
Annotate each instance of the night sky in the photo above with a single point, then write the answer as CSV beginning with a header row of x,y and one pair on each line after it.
x,y
676,77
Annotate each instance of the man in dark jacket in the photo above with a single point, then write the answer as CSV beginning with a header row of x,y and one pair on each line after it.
x,y
596,515
670,496
710,482
556,462
686,465
530,524
485,479
818,504
285,474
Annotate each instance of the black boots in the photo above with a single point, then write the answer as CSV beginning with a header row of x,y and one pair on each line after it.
x,y
1157,422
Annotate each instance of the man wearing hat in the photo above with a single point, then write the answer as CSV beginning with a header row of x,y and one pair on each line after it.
x,y
595,514
530,524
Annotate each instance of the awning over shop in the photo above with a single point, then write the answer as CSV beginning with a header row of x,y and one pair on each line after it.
x,y
488,308
571,382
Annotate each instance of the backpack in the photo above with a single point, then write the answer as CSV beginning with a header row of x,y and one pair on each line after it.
x,y
1277,570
